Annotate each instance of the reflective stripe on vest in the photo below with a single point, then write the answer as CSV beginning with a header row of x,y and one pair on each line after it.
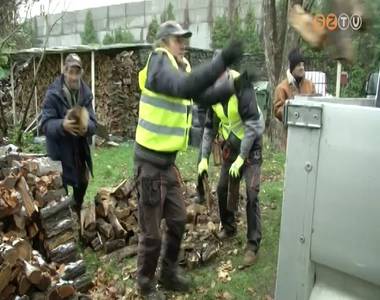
x,y
164,121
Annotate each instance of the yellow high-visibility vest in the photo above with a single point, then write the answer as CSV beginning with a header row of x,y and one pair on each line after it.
x,y
164,121
230,122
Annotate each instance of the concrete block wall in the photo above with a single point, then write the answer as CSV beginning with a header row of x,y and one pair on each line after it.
x,y
136,16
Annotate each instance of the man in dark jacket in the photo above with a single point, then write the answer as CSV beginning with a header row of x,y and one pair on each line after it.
x,y
168,87
67,135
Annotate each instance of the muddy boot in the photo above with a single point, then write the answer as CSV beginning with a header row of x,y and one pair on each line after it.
x,y
250,257
172,280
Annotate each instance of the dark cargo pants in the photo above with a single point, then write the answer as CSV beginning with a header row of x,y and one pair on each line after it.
x,y
159,197
250,171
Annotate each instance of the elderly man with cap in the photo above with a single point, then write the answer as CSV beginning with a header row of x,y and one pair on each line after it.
x,y
294,84
68,121
168,89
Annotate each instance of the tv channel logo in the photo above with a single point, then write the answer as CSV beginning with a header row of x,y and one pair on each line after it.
x,y
333,22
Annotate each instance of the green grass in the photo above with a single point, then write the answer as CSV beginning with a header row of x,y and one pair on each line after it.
x,y
114,164
111,165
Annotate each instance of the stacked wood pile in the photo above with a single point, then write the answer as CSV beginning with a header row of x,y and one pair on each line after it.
x,y
110,223
49,70
35,213
117,92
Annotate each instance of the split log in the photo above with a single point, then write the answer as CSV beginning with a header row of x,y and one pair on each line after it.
x,y
9,182
88,218
24,284
16,270
19,220
83,283
8,254
31,179
120,232
103,201
88,236
42,166
74,270
33,274
42,264
123,190
49,196
105,228
57,182
118,255
44,283
113,245
62,226
30,208
8,292
23,249
64,253
32,230
5,276
97,243
62,238
60,291
53,209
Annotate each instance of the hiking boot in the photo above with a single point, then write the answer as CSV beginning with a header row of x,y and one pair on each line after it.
x,y
250,257
173,281
224,234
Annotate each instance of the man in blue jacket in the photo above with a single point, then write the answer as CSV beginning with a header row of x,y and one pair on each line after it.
x,y
67,138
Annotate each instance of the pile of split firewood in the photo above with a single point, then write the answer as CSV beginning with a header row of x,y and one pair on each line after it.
x,y
110,223
36,225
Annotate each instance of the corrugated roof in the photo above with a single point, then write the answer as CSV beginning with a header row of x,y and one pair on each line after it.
x,y
83,48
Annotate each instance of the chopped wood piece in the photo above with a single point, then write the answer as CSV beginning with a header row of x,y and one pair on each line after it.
x,y
74,270
113,245
23,189
54,208
105,228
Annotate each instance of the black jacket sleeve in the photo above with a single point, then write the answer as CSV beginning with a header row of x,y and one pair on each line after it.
x,y
164,78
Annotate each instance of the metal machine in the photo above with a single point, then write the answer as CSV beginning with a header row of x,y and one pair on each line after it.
x,y
330,228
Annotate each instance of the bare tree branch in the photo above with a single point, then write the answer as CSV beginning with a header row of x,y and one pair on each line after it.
x,y
35,77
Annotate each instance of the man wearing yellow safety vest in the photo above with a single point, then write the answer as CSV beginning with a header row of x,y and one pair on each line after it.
x,y
241,125
168,87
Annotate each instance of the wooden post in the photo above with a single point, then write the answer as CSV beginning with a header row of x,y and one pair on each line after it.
x,y
93,87
338,74
93,78
13,94
35,93
61,62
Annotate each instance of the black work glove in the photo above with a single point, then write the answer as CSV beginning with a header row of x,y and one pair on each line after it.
x,y
232,52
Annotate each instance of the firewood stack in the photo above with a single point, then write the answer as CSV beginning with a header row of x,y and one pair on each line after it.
x,y
118,96
35,213
110,223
